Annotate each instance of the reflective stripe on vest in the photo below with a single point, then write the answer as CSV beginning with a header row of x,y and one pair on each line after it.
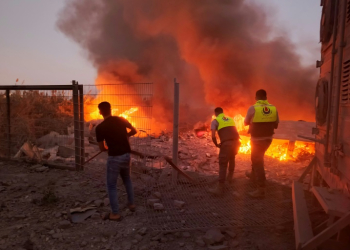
x,y
264,112
225,121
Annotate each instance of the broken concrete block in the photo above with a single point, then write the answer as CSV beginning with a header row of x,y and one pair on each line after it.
x,y
106,201
231,234
98,203
199,241
213,236
158,206
179,204
218,247
64,224
158,195
150,202
142,231
65,152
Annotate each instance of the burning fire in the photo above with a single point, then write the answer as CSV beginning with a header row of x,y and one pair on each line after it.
x,y
95,115
278,148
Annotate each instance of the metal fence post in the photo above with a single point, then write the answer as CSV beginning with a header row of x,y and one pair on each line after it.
x,y
76,125
176,129
8,123
82,132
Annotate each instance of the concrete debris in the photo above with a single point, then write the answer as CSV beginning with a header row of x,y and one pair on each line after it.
x,y
208,155
42,169
158,206
65,152
142,231
106,201
179,204
157,195
138,237
199,241
98,203
213,236
186,235
80,217
219,247
231,234
150,202
64,224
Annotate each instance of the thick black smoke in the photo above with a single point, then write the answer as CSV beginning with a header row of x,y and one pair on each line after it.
x,y
218,50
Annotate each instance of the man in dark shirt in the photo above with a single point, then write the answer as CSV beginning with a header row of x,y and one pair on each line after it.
x,y
113,130
229,146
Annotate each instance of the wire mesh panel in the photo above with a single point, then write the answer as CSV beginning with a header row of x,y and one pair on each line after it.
x,y
37,125
132,101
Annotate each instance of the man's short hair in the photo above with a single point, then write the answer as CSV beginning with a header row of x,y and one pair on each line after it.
x,y
105,108
261,94
218,110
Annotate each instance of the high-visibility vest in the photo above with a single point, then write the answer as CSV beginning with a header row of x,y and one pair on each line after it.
x,y
225,121
264,120
226,129
264,112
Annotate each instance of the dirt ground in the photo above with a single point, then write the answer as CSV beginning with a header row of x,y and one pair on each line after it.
x,y
36,202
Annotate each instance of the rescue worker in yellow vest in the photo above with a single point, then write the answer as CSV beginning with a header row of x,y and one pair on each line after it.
x,y
229,145
262,119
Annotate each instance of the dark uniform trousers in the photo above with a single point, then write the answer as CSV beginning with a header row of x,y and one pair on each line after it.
x,y
259,148
227,154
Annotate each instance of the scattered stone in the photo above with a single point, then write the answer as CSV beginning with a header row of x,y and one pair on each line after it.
x,y
186,235
64,224
158,195
35,166
179,204
57,236
41,169
134,242
28,245
80,217
218,247
98,203
181,244
213,236
163,239
208,155
150,202
52,232
143,231
106,201
235,243
138,237
58,214
156,238
158,206
231,234
199,241
83,244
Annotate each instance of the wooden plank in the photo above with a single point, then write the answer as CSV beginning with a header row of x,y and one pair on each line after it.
x,y
302,223
334,204
307,170
327,233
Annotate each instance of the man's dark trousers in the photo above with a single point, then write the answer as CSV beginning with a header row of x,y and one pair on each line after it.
x,y
259,148
228,151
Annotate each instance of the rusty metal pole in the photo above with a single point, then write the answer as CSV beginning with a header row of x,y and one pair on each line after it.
x,y
176,129
76,125
81,125
8,123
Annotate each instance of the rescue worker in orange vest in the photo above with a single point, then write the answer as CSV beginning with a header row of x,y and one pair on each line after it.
x,y
262,119
229,145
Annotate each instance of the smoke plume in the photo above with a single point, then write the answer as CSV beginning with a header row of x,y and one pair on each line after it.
x,y
219,51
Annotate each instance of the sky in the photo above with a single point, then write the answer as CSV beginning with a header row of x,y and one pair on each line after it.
x,y
33,50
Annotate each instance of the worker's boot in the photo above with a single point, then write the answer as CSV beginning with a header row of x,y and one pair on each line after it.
x,y
218,190
258,193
